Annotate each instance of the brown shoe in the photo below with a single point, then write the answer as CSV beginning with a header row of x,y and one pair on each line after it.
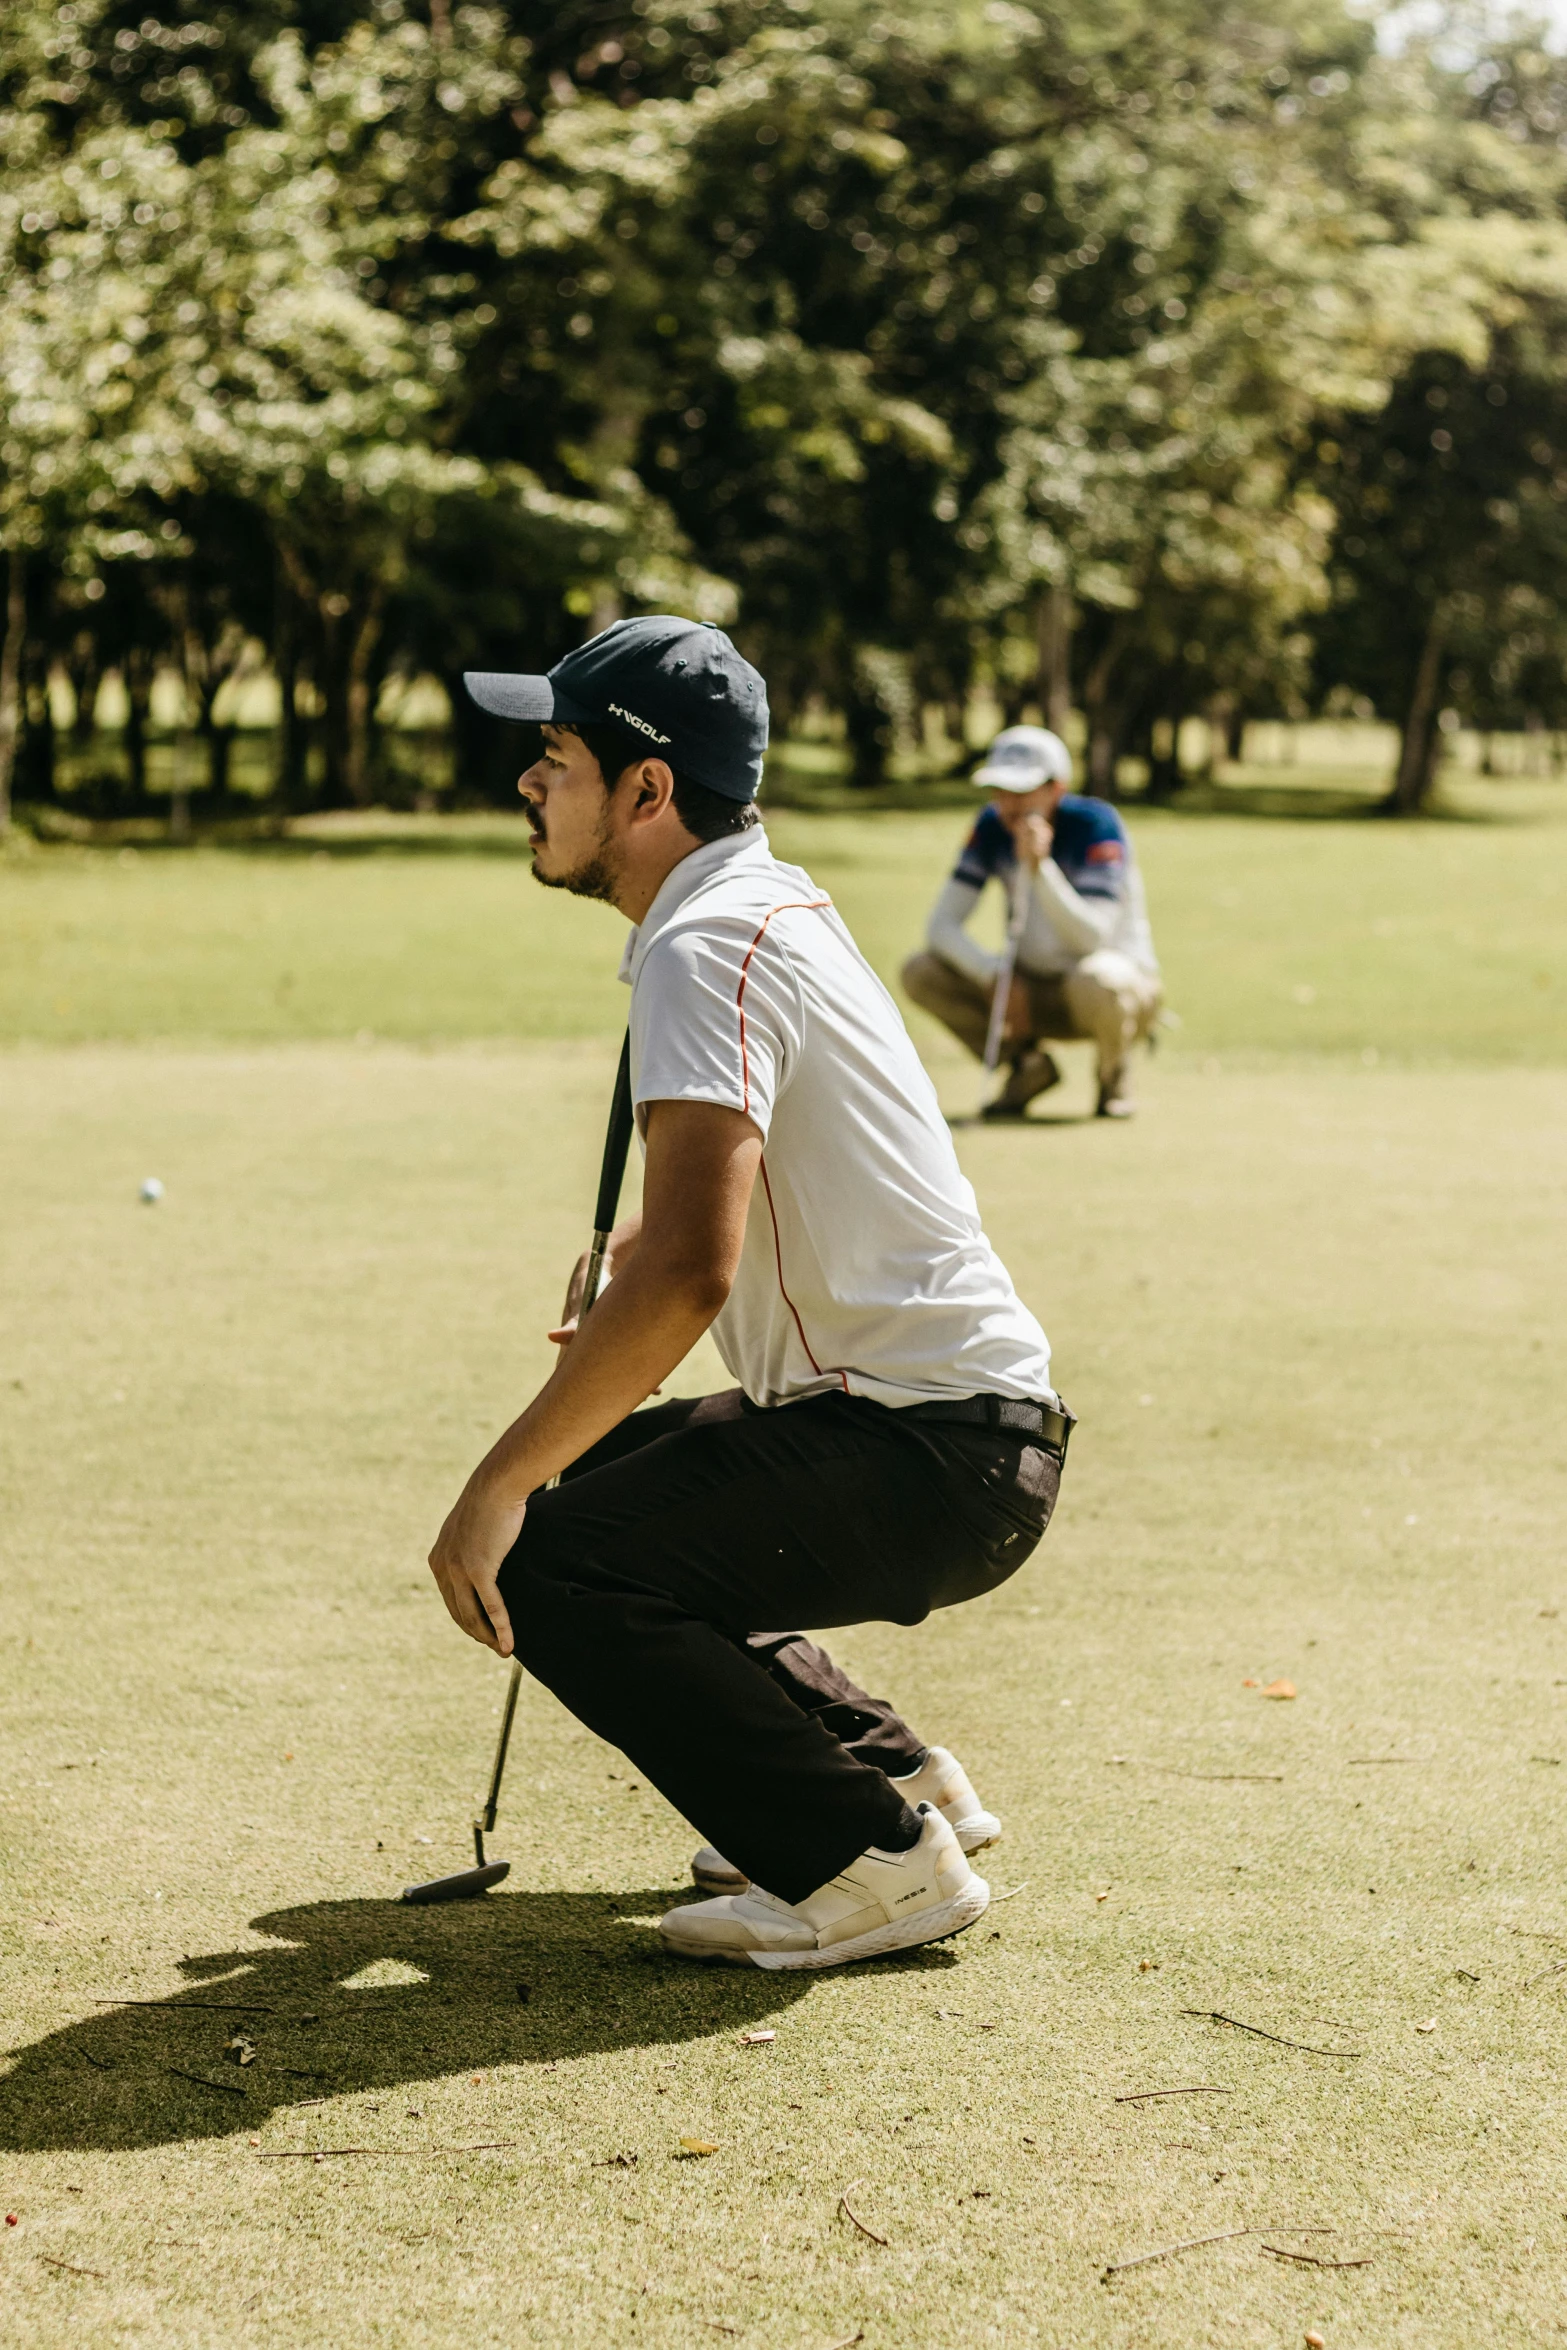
x,y
1033,1073
1115,1093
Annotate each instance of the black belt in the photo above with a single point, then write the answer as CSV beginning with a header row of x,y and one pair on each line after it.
x,y
1051,1423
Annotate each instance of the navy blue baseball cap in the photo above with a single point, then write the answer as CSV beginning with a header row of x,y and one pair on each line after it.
x,y
675,689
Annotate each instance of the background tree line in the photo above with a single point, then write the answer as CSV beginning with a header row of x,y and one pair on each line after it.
x,y
1147,360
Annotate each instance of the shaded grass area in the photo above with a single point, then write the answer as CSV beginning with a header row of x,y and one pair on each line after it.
x,y
1313,1331
1279,933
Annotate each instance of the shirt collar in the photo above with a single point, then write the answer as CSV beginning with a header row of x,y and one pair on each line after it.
x,y
682,881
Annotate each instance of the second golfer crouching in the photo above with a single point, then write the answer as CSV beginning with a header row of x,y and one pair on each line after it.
x,y
1085,959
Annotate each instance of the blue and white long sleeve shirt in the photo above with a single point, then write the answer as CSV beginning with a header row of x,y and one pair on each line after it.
x,y
1087,895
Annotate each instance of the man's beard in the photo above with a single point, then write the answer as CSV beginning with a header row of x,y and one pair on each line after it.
x,y
599,877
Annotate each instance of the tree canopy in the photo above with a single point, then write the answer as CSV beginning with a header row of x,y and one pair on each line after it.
x,y
1156,360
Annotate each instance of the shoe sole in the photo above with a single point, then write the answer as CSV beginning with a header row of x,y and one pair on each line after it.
x,y
974,1835
937,1924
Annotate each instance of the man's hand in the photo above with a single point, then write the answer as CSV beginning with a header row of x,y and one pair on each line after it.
x,y
468,1555
673,1272
1033,835
622,1248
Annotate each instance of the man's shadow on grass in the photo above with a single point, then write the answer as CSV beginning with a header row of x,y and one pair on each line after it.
x,y
517,1978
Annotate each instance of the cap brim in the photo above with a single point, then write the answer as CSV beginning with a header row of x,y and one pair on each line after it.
x,y
1008,778
533,700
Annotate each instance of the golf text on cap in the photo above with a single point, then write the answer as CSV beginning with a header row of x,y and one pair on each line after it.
x,y
640,724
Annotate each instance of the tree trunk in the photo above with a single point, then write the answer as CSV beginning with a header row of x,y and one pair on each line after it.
x,y
1054,623
1104,751
359,697
292,780
36,759
1104,733
1164,768
1420,741
136,677
84,670
869,730
605,609
11,676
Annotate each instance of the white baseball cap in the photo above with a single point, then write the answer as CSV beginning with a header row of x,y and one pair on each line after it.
x,y
1024,757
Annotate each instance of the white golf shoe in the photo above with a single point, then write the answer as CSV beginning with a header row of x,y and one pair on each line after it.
x,y
940,1780
881,1902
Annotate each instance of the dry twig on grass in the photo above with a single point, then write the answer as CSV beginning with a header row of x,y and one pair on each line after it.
x,y
229,2088
1140,2096
849,2341
1187,2244
70,2267
849,2213
320,2153
1191,2243
1314,2259
1212,2015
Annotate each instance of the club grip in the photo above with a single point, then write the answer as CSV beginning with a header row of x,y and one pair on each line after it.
x,y
617,1142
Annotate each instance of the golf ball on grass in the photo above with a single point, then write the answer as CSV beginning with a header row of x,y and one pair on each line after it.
x,y
151,1192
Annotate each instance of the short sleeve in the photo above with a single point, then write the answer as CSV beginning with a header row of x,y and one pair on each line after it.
x,y
715,1017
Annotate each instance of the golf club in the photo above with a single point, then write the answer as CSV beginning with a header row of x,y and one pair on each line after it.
x,y
467,1883
1006,971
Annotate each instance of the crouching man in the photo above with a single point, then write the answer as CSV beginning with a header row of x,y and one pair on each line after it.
x,y
1085,960
893,1445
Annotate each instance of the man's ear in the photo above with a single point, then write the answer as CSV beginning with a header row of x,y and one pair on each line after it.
x,y
652,789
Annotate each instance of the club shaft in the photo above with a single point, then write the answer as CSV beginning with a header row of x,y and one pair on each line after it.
x,y
617,1144
1001,995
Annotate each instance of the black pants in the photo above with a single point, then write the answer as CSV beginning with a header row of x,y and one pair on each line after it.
x,y
635,1590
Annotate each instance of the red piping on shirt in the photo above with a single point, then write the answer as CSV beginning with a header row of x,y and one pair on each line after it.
x,y
811,906
790,905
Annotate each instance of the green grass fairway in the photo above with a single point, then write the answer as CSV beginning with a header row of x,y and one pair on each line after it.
x,y
1311,1313
1279,934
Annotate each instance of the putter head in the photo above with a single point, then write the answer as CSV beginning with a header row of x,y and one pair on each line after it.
x,y
465,1885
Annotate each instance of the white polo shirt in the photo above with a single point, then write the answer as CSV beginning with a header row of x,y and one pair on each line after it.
x,y
864,1266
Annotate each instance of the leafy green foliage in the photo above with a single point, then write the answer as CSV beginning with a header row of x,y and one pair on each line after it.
x,y
930,347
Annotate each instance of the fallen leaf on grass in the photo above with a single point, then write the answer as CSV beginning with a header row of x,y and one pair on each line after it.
x,y
756,2039
1251,1683
241,2049
1428,2026
699,2146
1279,1689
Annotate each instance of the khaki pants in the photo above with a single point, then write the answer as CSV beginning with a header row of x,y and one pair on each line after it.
x,y
1106,998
